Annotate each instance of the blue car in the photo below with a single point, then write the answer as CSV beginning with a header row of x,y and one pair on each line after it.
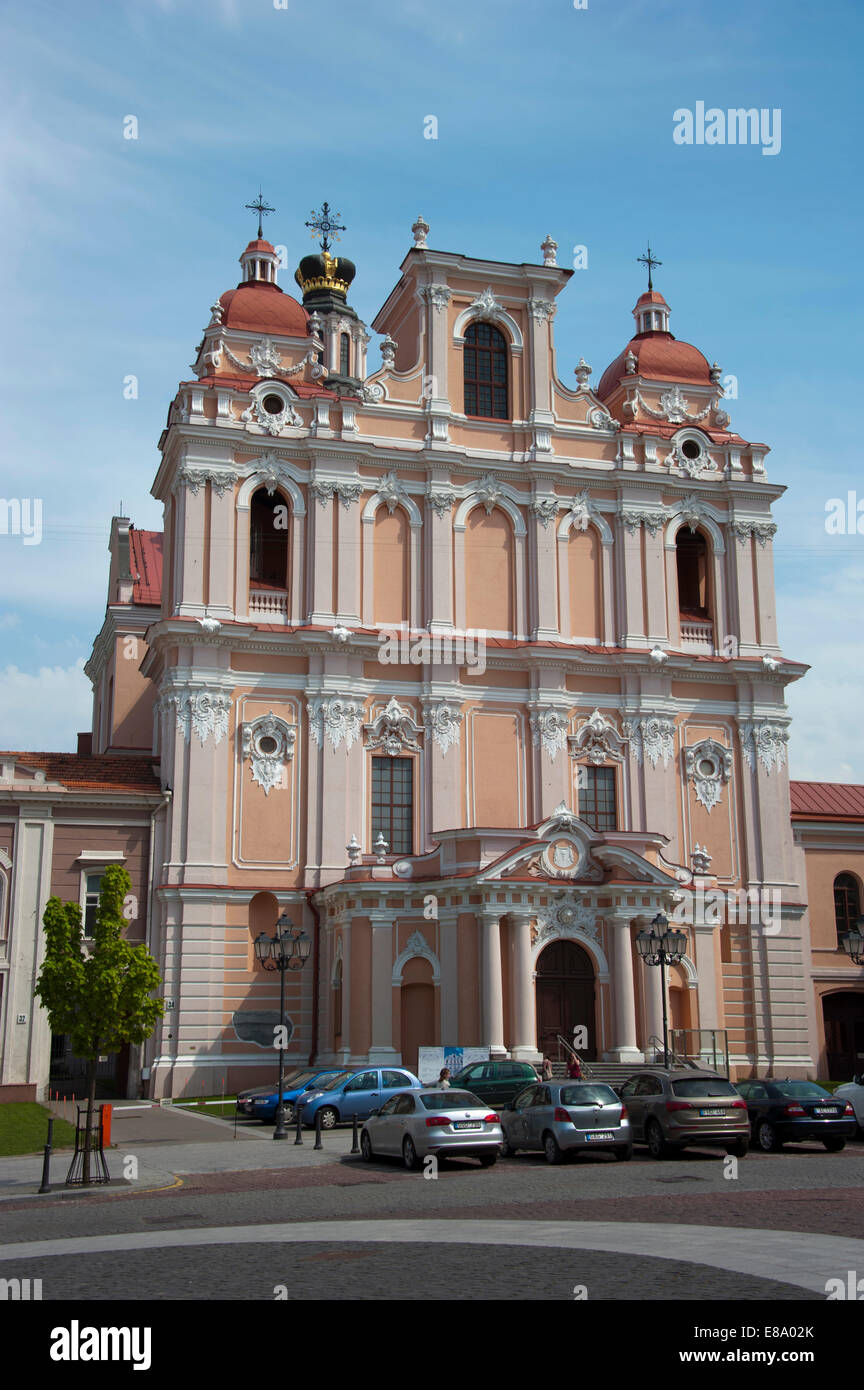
x,y
357,1093
259,1103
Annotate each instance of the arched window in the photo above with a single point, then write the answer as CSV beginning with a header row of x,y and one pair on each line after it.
x,y
847,903
268,545
692,559
485,372
344,355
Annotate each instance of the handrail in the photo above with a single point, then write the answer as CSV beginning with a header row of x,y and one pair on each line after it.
x,y
669,1053
584,1067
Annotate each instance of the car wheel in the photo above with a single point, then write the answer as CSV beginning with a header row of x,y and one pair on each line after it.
x,y
624,1155
329,1117
551,1148
289,1113
739,1149
767,1138
409,1154
366,1152
488,1160
834,1145
657,1145
507,1150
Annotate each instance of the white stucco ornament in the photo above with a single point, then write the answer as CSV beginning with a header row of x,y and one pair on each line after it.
x,y
597,740
442,721
549,730
651,736
708,766
336,718
764,740
269,744
202,713
393,731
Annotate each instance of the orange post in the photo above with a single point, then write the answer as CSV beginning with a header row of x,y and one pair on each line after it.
x,y
106,1125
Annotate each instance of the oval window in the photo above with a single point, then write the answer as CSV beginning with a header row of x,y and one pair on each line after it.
x,y
274,405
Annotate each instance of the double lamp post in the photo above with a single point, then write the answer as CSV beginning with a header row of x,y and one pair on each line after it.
x,y
289,949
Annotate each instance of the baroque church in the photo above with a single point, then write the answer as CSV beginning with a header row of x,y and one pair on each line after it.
x,y
467,666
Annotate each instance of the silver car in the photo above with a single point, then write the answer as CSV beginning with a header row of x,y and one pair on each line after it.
x,y
563,1117
448,1123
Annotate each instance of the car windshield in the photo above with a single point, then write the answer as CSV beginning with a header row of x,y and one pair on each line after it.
x,y
450,1100
336,1081
298,1079
702,1086
800,1090
588,1095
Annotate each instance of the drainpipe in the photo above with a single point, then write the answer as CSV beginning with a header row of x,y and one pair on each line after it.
x,y
316,966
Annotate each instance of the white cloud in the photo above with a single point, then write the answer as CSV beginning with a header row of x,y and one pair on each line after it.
x,y
42,711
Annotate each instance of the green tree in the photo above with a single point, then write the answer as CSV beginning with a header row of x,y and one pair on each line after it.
x,y
102,999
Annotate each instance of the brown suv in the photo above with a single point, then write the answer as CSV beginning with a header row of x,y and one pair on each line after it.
x,y
670,1109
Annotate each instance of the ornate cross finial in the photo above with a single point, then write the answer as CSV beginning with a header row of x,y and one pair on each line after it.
x,y
324,224
650,261
263,210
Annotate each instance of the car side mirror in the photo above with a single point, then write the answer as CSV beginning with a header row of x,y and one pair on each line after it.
x,y
374,1112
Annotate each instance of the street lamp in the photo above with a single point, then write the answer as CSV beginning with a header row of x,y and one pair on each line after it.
x,y
662,946
853,942
288,950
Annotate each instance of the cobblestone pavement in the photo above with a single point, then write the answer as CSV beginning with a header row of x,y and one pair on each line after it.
x,y
803,1191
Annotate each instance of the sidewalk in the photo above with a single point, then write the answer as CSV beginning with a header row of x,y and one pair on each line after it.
x,y
168,1143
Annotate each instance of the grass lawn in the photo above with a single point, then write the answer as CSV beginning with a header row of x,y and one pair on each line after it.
x,y
24,1129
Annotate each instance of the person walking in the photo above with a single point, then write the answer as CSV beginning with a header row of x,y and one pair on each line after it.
x,y
547,1069
574,1070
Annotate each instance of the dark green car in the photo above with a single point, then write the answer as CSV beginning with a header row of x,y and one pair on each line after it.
x,y
495,1083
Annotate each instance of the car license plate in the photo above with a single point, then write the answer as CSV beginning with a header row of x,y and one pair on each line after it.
x,y
712,1112
599,1134
468,1124
825,1110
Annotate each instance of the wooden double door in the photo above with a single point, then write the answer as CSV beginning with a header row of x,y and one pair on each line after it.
x,y
565,998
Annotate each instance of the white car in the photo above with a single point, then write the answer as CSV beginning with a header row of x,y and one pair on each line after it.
x,y
853,1092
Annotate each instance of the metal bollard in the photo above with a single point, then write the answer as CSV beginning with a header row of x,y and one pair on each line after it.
x,y
318,1144
298,1138
46,1161
355,1146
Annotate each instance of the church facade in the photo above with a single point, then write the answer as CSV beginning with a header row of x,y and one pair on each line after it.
x,y
468,670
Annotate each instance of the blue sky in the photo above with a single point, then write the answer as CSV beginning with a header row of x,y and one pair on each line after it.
x,y
550,119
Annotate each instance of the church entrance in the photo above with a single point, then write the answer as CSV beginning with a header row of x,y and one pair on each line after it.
x,y
565,998
844,1034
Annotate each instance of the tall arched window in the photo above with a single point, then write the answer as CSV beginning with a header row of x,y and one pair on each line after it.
x,y
268,544
692,559
344,355
485,372
847,903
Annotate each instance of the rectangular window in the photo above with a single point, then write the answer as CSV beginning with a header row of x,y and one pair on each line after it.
x,y
91,901
393,803
597,797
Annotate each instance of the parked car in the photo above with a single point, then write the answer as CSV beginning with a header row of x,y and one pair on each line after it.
x,y
260,1101
853,1091
564,1117
354,1093
783,1112
495,1083
671,1108
449,1123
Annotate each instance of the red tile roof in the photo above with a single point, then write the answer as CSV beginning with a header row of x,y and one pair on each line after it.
x,y
826,801
145,560
110,772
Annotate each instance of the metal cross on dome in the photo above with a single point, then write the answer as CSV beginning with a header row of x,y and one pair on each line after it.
x,y
650,261
324,223
263,210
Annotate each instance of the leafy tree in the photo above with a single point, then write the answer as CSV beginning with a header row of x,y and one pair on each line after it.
x,y
102,999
